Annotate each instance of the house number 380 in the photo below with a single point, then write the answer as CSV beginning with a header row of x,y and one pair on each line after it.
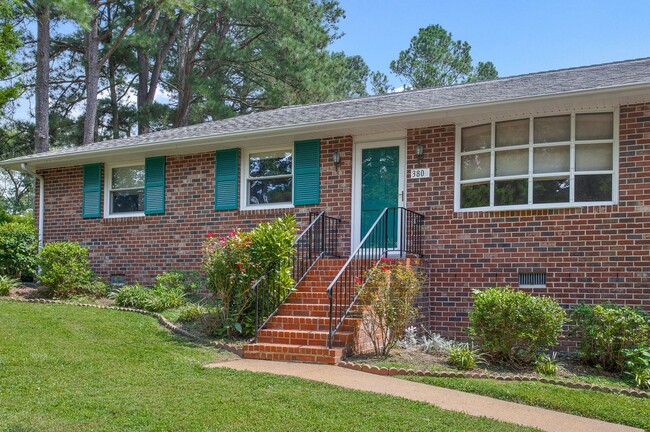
x,y
420,173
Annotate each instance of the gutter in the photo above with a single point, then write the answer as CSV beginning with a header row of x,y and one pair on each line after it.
x,y
41,201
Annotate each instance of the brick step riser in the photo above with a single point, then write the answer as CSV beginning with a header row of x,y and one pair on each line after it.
x,y
304,358
309,300
318,341
272,325
291,349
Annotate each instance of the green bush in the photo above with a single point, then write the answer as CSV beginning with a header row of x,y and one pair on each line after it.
x,y
191,312
389,291
167,293
65,268
547,364
7,284
233,263
18,247
604,331
133,296
512,326
462,357
637,366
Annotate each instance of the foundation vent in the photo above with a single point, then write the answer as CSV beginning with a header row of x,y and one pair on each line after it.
x,y
532,280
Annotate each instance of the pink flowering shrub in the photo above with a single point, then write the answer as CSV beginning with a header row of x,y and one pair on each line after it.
x,y
388,291
233,263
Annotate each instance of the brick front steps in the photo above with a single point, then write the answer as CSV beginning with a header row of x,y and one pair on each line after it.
x,y
299,330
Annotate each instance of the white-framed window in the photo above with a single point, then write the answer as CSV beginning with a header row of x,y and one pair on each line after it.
x,y
124,189
267,179
551,161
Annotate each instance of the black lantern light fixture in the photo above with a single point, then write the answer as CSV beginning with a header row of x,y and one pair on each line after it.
x,y
336,158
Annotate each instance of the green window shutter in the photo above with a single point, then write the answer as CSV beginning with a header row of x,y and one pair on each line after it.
x,y
91,206
306,172
225,180
154,185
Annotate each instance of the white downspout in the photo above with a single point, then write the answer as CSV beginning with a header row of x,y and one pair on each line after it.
x,y
41,201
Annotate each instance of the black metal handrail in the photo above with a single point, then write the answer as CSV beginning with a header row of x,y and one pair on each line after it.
x,y
319,239
396,229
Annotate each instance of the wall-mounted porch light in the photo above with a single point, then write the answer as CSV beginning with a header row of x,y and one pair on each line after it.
x,y
419,151
336,158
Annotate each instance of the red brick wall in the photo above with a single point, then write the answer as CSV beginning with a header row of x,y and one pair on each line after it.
x,y
142,247
590,254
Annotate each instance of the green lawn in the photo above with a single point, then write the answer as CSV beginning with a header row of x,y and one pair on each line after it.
x,y
65,368
614,408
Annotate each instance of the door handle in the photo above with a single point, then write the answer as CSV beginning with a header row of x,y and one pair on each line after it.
x,y
401,197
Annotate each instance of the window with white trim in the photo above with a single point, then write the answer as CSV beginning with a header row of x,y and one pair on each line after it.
x,y
124,190
268,178
538,162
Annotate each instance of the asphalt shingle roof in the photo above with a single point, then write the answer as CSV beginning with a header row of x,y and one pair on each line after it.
x,y
539,84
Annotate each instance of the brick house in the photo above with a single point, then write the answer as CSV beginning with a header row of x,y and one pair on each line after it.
x,y
539,181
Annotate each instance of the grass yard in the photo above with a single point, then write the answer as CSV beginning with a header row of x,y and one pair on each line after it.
x,y
65,368
614,408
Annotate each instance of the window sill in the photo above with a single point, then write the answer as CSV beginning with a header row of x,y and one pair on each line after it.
x,y
124,215
263,207
535,207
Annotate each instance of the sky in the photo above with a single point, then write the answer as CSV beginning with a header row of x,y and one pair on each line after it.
x,y
517,36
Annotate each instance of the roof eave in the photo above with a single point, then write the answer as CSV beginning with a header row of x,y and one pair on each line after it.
x,y
312,127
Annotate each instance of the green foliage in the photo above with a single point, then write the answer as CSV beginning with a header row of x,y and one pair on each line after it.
x,y
389,291
6,284
513,325
168,292
604,331
546,364
191,312
9,43
65,268
18,244
434,59
462,357
637,365
233,263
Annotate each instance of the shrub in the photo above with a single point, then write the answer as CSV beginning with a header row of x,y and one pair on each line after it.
x,y
18,247
163,295
65,268
462,357
191,312
428,342
547,364
389,291
637,365
513,325
95,288
7,284
134,296
604,331
233,263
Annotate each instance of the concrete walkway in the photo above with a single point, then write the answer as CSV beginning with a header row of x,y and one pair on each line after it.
x,y
448,399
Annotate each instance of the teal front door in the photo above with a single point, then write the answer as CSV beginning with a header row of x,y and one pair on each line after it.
x,y
379,190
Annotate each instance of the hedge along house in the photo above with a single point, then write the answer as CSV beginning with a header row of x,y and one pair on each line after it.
x,y
539,181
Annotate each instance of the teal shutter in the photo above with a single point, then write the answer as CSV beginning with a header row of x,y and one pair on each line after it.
x,y
225,180
154,185
306,172
91,206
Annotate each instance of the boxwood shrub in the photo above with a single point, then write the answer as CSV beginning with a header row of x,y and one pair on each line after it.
x,y
512,326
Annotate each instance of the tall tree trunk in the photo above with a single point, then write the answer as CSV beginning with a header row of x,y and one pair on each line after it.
x,y
92,76
143,91
42,132
112,67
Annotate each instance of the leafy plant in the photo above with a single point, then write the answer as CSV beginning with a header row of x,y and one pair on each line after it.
x,y
637,365
513,325
233,263
428,342
605,331
18,244
65,268
7,284
463,357
388,290
134,296
163,295
191,312
96,289
547,364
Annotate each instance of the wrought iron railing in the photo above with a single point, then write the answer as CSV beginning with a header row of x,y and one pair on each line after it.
x,y
319,239
397,231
